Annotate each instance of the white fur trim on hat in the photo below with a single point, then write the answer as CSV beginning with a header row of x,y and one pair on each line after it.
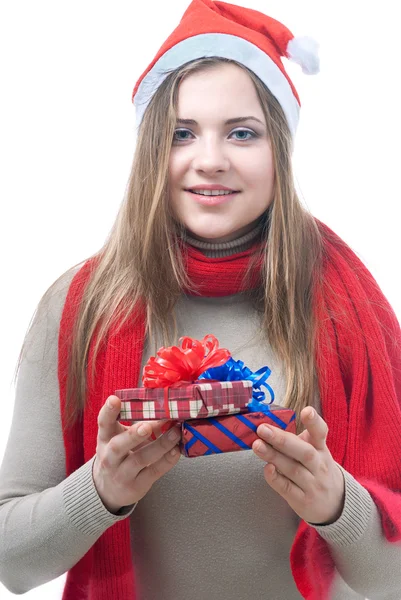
x,y
304,51
225,46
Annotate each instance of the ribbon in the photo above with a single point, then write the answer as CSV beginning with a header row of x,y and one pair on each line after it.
x,y
171,422
166,398
197,360
235,370
174,365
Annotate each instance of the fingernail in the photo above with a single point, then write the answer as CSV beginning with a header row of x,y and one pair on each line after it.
x,y
260,447
143,430
267,432
311,414
110,403
173,435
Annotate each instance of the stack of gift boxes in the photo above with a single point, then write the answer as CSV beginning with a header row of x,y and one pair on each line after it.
x,y
218,401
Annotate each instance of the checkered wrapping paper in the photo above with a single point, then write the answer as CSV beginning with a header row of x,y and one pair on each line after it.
x,y
198,400
202,437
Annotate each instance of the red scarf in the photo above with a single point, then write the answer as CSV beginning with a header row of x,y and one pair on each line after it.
x,y
360,396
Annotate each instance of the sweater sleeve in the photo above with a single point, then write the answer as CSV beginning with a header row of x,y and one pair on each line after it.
x,y
365,559
47,521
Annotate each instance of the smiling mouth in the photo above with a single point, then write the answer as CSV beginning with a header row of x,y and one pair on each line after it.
x,y
212,192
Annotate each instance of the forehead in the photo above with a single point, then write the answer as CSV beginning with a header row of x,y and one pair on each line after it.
x,y
223,91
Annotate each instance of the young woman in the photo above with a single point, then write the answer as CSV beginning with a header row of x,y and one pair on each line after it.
x,y
211,238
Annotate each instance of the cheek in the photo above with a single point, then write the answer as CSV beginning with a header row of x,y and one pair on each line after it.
x,y
172,171
177,166
267,177
260,181
175,181
257,168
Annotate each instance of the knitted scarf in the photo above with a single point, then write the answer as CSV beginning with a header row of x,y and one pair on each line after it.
x,y
359,372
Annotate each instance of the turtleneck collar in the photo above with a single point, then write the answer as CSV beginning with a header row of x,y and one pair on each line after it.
x,y
221,249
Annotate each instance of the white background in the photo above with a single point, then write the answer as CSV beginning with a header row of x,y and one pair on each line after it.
x,y
67,138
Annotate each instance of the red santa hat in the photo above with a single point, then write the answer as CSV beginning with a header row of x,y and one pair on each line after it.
x,y
247,36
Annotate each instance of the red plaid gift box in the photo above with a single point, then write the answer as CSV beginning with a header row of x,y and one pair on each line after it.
x,y
202,437
198,400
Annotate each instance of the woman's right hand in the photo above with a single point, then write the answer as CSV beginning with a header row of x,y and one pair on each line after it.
x,y
127,461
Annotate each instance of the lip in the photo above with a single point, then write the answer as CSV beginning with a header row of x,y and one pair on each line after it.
x,y
211,200
210,186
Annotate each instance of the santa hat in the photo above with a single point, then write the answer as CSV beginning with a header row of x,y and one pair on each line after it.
x,y
247,36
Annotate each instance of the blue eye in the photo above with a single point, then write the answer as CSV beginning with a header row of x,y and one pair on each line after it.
x,y
180,135
242,136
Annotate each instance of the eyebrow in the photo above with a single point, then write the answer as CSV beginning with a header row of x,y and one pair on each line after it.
x,y
233,121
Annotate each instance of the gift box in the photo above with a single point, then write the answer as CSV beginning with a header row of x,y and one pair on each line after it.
x,y
202,437
198,400
219,401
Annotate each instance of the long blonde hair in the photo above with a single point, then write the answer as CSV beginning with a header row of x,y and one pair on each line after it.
x,y
140,256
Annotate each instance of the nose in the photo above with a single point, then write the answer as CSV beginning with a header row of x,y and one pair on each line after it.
x,y
210,157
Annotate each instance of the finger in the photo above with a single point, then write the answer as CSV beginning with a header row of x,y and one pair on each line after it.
x,y
162,427
290,468
147,477
108,426
153,452
316,427
158,428
304,435
283,486
119,447
291,445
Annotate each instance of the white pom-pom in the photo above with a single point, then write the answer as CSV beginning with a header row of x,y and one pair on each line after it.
x,y
304,51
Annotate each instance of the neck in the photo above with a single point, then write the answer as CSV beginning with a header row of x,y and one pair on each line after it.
x,y
221,249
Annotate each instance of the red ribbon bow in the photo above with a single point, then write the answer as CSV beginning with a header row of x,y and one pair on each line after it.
x,y
175,365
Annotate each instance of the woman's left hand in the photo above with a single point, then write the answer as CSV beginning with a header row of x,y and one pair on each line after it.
x,y
301,469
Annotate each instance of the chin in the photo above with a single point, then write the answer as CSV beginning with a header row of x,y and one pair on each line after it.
x,y
219,232
210,235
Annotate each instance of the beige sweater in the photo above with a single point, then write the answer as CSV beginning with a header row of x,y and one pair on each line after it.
x,y
210,529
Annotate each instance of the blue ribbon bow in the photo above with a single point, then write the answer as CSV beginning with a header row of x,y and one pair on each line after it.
x,y
235,370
